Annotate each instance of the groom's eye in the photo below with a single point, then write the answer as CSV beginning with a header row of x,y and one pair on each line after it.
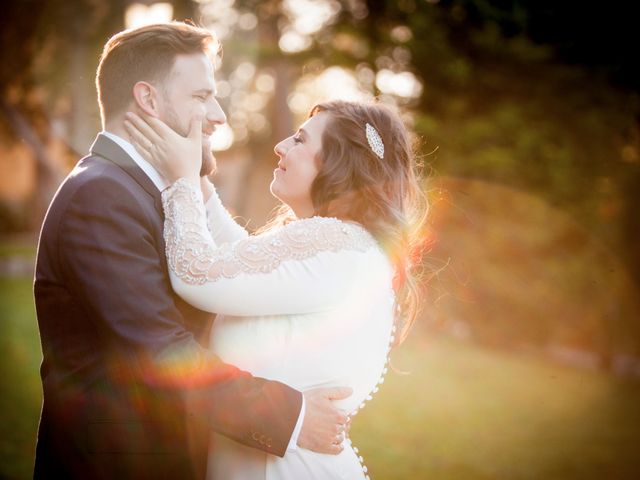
x,y
202,98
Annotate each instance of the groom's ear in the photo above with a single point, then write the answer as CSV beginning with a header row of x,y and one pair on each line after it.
x,y
145,96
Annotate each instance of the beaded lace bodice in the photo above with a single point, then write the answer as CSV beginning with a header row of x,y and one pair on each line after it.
x,y
195,259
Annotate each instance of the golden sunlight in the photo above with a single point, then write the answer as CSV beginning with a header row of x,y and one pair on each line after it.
x,y
221,16
292,41
138,14
307,17
222,138
402,84
334,83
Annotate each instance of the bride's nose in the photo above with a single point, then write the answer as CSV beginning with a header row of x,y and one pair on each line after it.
x,y
280,148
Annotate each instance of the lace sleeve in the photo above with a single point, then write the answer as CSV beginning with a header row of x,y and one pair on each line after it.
x,y
195,259
280,262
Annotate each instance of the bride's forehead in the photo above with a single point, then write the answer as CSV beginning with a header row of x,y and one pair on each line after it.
x,y
316,123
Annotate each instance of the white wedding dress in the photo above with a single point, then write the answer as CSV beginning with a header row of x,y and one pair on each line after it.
x,y
309,304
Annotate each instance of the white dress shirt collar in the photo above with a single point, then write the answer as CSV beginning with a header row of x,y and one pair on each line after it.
x,y
157,179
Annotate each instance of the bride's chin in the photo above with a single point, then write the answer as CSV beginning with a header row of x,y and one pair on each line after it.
x,y
274,190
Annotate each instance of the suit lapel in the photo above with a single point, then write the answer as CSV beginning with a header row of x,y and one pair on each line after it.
x,y
109,150
197,321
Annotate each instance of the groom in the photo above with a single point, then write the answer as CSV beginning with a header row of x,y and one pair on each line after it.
x,y
129,390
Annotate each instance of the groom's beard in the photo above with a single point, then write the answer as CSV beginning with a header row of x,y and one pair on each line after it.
x,y
209,165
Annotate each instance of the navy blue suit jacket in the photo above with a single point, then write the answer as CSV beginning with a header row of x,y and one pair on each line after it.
x,y
129,390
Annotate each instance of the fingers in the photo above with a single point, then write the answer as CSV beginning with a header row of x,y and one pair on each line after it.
x,y
143,126
161,129
332,393
139,141
335,449
341,419
325,425
156,126
331,449
338,393
195,130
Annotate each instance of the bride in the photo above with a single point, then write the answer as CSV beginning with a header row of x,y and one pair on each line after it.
x,y
316,298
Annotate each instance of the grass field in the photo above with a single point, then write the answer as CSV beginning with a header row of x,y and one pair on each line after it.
x,y
450,411
467,413
20,390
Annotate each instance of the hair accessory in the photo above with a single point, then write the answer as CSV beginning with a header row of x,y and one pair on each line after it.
x,y
375,141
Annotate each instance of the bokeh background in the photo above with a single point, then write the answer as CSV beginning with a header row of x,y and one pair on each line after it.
x,y
525,362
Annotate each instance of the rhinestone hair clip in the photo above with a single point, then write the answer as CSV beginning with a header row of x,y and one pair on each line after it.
x,y
375,141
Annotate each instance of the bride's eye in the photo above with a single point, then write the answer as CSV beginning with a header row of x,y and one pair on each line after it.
x,y
297,139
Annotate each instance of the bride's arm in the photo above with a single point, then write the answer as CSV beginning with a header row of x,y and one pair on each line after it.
x,y
308,265
221,224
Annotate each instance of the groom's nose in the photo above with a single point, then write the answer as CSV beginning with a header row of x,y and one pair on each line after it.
x,y
215,114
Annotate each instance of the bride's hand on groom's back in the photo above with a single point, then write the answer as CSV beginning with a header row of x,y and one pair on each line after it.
x,y
324,425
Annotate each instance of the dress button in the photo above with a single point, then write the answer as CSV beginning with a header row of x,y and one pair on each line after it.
x,y
254,435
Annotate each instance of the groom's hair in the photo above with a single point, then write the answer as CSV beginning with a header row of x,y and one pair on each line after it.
x,y
144,54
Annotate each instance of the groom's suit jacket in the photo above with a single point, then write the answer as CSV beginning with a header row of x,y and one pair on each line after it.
x,y
129,390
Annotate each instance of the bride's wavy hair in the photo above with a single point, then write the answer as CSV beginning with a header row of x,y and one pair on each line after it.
x,y
382,194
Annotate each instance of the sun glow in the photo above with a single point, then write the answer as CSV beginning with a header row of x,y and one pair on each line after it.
x,y
332,84
138,14
222,138
307,17
402,84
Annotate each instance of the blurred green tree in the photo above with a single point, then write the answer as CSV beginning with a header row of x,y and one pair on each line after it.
x,y
46,82
515,93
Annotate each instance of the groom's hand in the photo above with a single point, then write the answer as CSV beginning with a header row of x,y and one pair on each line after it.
x,y
324,425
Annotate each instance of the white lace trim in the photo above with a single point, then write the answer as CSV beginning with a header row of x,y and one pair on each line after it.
x,y
194,258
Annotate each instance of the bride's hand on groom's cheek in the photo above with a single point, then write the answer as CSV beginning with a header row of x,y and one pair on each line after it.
x,y
171,154
324,425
